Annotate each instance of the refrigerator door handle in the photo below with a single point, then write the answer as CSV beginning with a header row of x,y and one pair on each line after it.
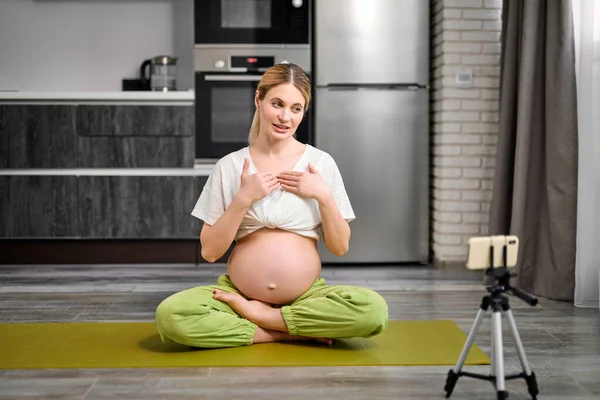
x,y
375,86
230,78
335,86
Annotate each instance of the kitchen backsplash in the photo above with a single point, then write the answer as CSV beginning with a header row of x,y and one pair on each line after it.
x,y
89,46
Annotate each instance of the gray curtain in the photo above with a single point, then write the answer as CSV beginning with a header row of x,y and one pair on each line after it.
x,y
535,185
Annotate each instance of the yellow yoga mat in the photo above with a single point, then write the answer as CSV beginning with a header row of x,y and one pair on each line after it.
x,y
136,345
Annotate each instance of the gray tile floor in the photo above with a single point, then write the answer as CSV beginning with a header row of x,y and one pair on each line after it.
x,y
562,342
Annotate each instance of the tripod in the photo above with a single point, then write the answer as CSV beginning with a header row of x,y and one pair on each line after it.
x,y
498,301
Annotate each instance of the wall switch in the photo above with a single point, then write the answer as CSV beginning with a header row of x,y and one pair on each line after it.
x,y
463,78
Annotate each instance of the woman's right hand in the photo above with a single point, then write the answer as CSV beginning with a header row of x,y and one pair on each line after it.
x,y
257,186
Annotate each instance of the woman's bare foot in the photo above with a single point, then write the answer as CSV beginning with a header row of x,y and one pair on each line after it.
x,y
251,310
254,310
266,335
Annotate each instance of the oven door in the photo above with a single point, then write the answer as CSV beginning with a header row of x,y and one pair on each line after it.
x,y
224,111
251,21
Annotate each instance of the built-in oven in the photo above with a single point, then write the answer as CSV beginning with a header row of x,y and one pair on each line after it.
x,y
224,103
251,21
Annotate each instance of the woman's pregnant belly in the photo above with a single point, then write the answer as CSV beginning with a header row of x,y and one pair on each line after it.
x,y
274,266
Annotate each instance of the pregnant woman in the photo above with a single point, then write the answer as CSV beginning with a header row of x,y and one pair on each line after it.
x,y
276,198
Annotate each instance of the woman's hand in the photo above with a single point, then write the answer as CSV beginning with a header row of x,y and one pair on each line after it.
x,y
307,184
257,186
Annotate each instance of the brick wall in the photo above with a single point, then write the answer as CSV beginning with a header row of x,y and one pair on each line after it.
x,y
465,35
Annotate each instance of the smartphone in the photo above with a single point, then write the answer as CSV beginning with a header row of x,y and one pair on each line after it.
x,y
480,248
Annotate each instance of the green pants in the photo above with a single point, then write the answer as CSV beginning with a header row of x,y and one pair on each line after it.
x,y
193,318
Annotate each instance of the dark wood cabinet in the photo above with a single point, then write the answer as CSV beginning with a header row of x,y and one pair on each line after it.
x,y
38,206
99,207
135,120
136,152
138,206
38,136
96,136
4,139
72,205
135,136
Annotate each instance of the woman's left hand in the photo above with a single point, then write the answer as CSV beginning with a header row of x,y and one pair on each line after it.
x,y
307,184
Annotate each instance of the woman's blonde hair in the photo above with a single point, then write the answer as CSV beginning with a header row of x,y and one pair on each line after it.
x,y
276,75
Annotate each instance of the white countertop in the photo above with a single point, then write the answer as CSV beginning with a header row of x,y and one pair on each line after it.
x,y
141,97
197,170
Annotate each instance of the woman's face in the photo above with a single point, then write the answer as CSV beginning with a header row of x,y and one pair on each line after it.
x,y
281,111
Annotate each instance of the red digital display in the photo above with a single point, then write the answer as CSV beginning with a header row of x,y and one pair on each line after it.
x,y
251,62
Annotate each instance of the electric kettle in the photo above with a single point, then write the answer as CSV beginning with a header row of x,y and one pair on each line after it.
x,y
162,76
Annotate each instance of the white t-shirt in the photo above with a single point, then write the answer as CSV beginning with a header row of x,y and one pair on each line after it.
x,y
280,209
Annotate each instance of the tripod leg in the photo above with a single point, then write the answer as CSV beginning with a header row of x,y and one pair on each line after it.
x,y
469,342
454,374
498,353
492,371
529,376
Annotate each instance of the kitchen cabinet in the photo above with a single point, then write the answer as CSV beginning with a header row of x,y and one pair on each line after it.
x,y
96,136
38,136
138,206
135,136
69,203
135,120
38,206
99,207
4,142
82,199
136,152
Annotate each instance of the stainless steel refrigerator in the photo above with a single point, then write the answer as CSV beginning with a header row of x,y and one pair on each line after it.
x,y
371,110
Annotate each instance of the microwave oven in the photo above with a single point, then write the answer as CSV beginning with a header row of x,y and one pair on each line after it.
x,y
251,22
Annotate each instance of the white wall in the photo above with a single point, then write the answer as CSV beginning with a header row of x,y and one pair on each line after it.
x,y
82,45
183,11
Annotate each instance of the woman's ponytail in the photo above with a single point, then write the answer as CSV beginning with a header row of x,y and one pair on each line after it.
x,y
254,128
